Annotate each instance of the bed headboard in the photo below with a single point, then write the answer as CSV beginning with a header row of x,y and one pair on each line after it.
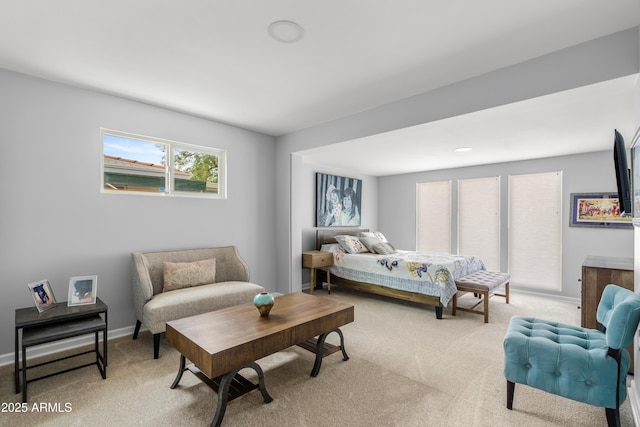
x,y
327,235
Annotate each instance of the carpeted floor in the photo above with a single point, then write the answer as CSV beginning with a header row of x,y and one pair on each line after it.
x,y
406,368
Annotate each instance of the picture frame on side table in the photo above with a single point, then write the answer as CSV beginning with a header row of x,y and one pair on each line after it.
x,y
597,210
82,290
42,295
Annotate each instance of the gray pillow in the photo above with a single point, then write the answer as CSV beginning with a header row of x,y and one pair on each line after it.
x,y
369,242
384,248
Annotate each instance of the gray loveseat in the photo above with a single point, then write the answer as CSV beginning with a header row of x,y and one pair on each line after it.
x,y
192,291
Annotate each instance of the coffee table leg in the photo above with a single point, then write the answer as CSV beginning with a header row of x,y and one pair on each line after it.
x,y
222,398
319,351
345,357
180,372
223,391
263,389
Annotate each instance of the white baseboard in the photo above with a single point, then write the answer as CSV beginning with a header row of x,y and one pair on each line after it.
x,y
62,345
634,401
572,300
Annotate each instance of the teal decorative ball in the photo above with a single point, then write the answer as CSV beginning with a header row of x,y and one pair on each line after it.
x,y
263,302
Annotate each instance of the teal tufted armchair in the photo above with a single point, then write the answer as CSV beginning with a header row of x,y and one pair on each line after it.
x,y
582,364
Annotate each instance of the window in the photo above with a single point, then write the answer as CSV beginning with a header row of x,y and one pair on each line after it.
x,y
145,165
434,217
479,220
535,230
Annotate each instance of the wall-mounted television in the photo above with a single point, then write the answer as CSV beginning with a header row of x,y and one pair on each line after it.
x,y
623,175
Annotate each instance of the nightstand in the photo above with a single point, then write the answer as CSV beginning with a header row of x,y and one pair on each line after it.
x,y
317,259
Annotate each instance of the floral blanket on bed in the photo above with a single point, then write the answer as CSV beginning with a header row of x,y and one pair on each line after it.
x,y
421,272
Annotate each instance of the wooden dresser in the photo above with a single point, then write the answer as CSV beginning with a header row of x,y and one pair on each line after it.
x,y
598,272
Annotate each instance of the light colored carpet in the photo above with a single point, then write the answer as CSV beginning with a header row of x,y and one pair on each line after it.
x,y
406,368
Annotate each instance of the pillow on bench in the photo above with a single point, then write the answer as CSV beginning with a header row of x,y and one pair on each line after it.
x,y
178,275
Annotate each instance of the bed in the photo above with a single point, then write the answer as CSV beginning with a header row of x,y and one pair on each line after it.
x,y
406,275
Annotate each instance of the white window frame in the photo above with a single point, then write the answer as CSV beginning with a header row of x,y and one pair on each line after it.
x,y
535,230
433,216
169,170
479,219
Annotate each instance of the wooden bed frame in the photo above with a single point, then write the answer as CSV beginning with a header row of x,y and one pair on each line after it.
x,y
325,236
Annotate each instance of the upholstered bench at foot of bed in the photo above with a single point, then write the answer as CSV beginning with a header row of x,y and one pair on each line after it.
x,y
483,283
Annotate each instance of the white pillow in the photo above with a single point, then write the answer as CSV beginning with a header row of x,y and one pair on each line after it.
x,y
380,236
351,244
376,234
332,247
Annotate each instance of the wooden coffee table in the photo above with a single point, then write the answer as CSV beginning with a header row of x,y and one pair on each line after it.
x,y
222,342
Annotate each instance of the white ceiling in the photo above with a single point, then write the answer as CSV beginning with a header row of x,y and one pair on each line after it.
x,y
576,121
215,59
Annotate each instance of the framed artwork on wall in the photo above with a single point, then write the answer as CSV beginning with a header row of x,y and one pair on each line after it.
x,y
597,210
338,201
635,173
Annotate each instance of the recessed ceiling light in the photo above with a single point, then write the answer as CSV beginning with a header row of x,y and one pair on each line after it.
x,y
286,31
462,149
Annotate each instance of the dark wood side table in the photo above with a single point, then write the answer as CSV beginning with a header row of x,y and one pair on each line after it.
x,y
317,259
57,323
598,272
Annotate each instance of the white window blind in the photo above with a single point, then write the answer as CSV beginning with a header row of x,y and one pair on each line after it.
x,y
433,216
479,220
535,230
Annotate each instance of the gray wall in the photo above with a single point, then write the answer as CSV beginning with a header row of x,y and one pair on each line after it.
x,y
305,195
606,58
55,223
584,173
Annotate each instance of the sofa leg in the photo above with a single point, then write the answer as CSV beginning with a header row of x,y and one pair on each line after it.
x,y
135,332
156,345
510,389
613,417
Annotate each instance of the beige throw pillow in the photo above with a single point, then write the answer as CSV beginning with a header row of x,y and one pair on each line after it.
x,y
178,275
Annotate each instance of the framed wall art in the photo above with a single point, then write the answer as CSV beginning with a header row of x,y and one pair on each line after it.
x,y
635,173
82,290
338,201
42,295
597,210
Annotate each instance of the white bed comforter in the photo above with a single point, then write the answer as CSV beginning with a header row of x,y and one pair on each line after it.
x,y
419,272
